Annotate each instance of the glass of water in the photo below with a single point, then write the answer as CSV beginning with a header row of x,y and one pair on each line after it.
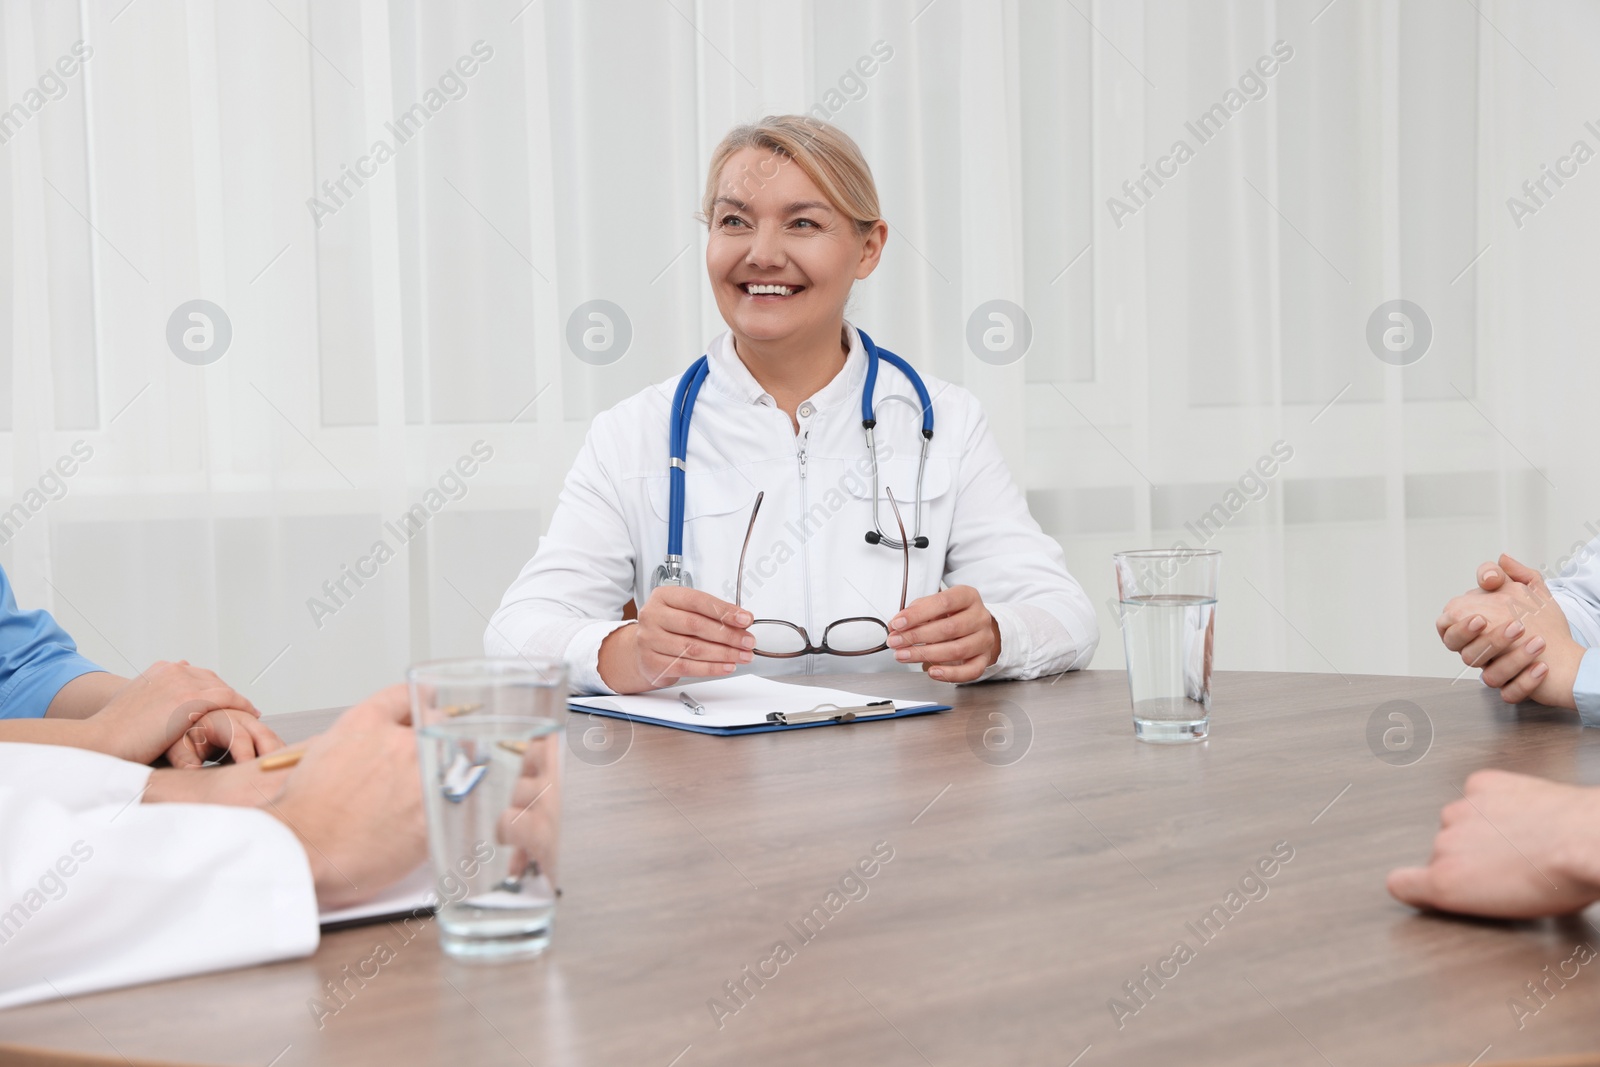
x,y
1168,602
489,733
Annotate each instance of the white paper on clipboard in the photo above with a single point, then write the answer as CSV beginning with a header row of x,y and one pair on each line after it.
x,y
743,700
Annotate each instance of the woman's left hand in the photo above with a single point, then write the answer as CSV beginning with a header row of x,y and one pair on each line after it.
x,y
949,632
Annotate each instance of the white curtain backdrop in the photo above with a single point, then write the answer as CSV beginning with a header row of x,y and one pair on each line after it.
x,y
394,334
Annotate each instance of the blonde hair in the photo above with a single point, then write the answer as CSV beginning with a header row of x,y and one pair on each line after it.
x,y
825,153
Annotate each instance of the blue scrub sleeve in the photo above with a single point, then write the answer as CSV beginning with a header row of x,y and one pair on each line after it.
x,y
37,658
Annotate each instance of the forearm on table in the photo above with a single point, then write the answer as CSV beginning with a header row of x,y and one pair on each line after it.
x,y
170,786
240,785
53,731
84,695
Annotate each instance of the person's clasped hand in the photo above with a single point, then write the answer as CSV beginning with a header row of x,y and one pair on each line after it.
x,y
183,712
1514,630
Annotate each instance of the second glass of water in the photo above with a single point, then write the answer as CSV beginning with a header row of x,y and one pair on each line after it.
x,y
489,733
1168,603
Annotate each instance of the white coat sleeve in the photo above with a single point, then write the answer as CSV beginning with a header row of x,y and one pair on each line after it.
x,y
98,890
1047,623
570,595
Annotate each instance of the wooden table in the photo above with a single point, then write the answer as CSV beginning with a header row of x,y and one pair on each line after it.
x,y
1029,881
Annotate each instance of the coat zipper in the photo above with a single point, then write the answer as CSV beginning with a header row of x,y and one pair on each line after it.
x,y
805,555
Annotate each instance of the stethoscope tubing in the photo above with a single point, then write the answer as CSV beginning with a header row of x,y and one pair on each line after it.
x,y
683,401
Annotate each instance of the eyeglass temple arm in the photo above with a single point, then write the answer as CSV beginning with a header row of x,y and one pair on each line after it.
x,y
905,548
738,588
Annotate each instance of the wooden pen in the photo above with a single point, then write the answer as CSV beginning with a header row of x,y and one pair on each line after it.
x,y
291,756
279,760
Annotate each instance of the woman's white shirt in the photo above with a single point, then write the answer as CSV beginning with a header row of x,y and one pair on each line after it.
x,y
98,890
809,562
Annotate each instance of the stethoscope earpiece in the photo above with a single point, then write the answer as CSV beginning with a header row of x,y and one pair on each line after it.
x,y
873,537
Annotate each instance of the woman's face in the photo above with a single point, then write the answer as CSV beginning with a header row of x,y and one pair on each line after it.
x,y
771,226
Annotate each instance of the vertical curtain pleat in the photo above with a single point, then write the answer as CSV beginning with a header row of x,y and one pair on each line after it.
x,y
404,208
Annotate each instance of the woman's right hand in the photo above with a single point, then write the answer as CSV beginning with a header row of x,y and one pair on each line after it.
x,y
681,633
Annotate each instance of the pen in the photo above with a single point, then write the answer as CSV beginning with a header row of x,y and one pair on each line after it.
x,y
691,703
279,760
291,756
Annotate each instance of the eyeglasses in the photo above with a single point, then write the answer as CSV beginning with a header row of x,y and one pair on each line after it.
x,y
860,635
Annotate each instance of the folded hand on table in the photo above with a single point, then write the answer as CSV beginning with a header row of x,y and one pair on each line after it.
x,y
1513,847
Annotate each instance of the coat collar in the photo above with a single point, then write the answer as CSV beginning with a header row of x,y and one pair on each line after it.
x,y
730,377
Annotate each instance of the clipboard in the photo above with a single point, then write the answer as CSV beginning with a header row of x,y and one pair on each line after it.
x,y
749,704
413,897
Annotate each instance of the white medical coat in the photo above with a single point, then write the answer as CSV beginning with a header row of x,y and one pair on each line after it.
x,y
808,562
99,890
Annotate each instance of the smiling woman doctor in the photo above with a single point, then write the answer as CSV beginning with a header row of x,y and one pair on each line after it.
x,y
760,506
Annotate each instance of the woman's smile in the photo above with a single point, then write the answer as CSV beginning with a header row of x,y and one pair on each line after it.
x,y
771,292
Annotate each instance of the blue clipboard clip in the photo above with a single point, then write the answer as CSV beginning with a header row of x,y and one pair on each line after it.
x,y
832,713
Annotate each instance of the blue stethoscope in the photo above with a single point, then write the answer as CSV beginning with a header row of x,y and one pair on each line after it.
x,y
671,571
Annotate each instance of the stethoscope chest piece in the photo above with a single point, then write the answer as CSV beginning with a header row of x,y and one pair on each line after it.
x,y
671,571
